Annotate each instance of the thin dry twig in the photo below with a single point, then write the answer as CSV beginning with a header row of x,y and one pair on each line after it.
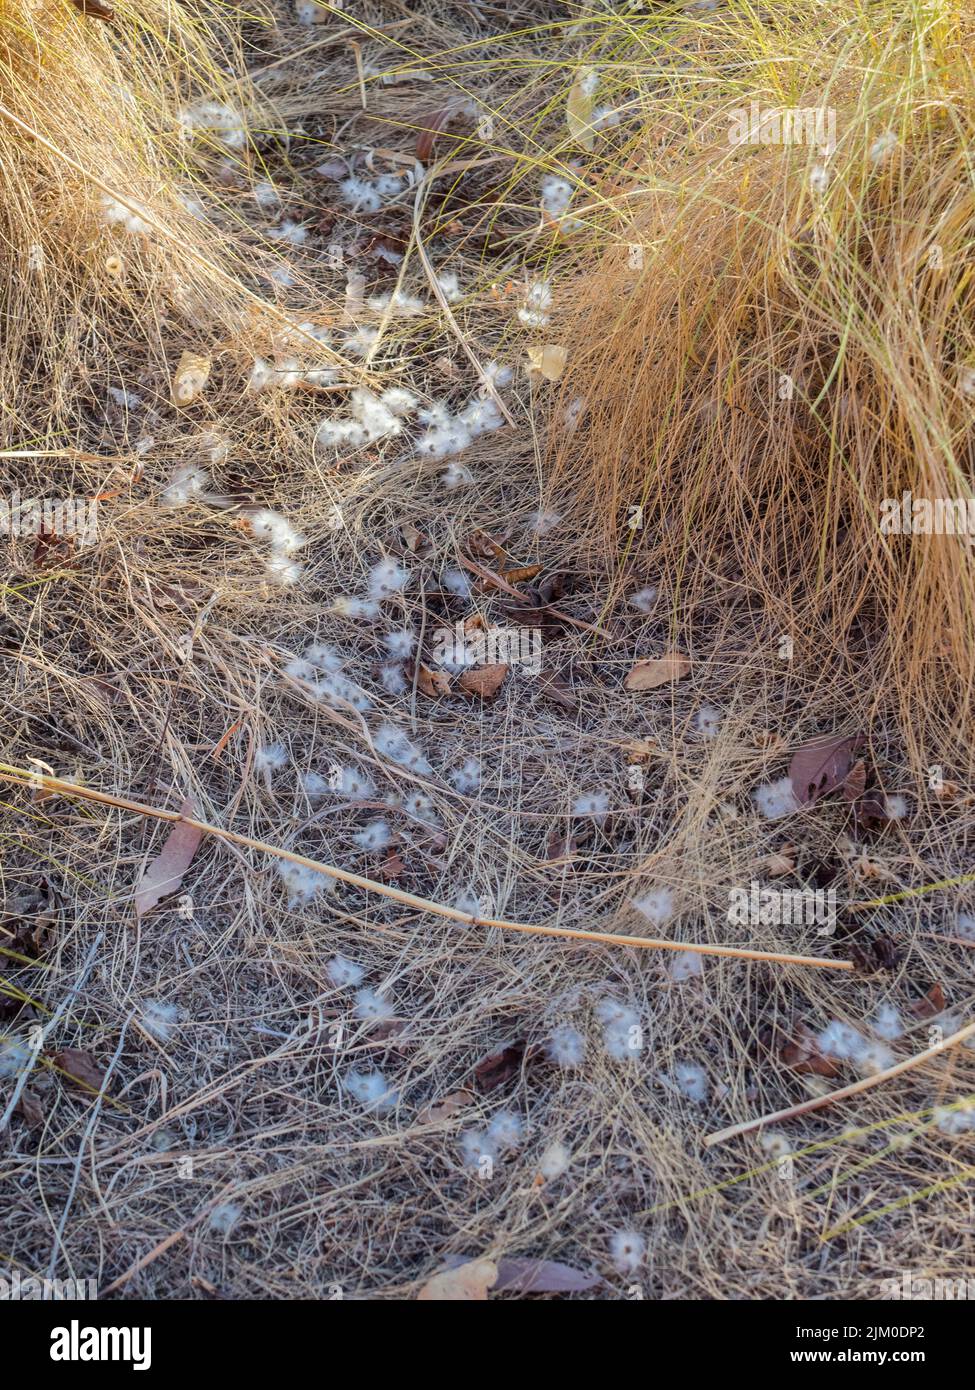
x,y
22,777
865,1084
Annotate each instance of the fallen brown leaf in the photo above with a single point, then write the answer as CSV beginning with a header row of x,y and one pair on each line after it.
x,y
801,1053
433,684
468,1283
498,1067
483,682
80,1066
164,874
31,1110
654,672
428,132
445,1108
933,1003
822,766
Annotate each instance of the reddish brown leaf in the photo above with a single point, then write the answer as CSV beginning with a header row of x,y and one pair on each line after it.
x,y
484,682
933,1003
392,868
428,132
80,1066
801,1053
498,1067
485,546
31,1110
432,683
822,766
164,874
560,846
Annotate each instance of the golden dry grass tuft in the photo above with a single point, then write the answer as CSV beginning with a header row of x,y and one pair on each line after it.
x,y
162,663
768,340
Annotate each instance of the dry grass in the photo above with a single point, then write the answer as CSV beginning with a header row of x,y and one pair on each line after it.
x,y
152,665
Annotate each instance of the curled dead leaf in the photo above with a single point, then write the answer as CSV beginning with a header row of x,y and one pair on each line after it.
x,y
432,683
931,1004
823,766
484,682
164,874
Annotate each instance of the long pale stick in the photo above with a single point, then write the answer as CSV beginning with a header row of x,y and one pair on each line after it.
x,y
733,1131
25,777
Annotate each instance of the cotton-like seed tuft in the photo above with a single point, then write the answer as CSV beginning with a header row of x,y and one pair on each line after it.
x,y
467,777
657,905
776,799
159,1018
343,973
887,1023
376,835
627,1250
566,1046
303,884
186,483
372,1006
506,1130
400,644
686,965
348,606
478,1150
386,579
707,721
593,805
392,743
691,1080
371,1090
360,195
555,1161
271,757
224,1218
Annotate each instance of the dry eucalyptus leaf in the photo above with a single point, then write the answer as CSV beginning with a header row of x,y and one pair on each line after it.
x,y
468,1283
432,683
822,766
579,108
192,375
444,1108
550,360
164,874
657,671
80,1066
543,1276
484,682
